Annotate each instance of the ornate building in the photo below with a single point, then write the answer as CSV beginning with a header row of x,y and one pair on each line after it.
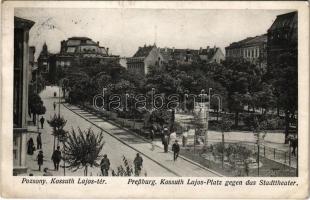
x,y
43,60
22,73
75,50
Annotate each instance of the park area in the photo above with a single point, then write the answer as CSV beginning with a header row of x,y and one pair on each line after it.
x,y
232,153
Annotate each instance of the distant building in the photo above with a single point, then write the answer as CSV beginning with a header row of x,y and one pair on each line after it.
x,y
21,81
144,58
282,36
43,60
32,64
252,49
75,50
180,56
210,55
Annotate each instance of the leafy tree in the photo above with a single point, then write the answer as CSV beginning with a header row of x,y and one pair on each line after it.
x,y
82,149
57,122
36,106
284,78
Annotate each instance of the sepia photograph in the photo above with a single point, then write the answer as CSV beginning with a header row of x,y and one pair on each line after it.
x,y
155,92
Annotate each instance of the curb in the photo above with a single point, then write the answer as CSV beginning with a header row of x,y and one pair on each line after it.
x,y
117,125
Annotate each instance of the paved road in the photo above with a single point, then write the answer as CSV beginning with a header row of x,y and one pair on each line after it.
x,y
117,143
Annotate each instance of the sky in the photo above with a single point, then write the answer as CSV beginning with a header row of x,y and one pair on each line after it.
x,y
124,30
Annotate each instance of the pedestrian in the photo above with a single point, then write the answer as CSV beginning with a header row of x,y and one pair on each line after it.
x,y
39,141
105,165
56,157
54,105
30,146
152,134
176,150
46,172
40,159
42,120
138,162
294,144
166,143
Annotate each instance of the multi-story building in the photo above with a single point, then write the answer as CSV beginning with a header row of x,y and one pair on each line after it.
x,y
252,49
75,50
282,37
144,58
22,73
210,55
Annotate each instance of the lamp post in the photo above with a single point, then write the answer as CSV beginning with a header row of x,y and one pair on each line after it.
x,y
59,98
207,122
153,101
184,101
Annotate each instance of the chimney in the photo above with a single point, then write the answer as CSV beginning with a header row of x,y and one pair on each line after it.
x,y
208,47
98,43
62,45
108,50
173,49
200,50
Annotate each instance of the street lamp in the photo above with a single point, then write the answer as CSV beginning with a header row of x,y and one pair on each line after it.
x,y
153,101
207,122
59,98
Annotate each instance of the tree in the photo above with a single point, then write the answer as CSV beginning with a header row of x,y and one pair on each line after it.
x,y
57,123
35,105
284,78
82,149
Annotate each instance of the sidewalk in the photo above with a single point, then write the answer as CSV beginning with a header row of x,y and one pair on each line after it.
x,y
181,167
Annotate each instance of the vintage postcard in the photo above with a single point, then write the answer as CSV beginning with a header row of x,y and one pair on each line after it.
x,y
155,99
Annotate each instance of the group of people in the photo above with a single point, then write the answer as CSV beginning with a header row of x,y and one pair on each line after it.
x,y
166,137
56,156
105,165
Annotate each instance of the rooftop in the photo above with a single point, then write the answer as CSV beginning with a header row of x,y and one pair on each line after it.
x,y
288,20
144,51
249,41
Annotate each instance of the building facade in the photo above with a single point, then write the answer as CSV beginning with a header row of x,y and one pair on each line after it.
x,y
252,49
22,73
75,50
144,58
282,37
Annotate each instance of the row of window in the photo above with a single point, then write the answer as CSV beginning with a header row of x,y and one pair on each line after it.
x,y
246,53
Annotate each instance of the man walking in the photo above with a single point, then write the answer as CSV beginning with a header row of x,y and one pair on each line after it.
x,y
176,150
39,141
138,164
54,105
42,120
56,157
166,143
105,165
